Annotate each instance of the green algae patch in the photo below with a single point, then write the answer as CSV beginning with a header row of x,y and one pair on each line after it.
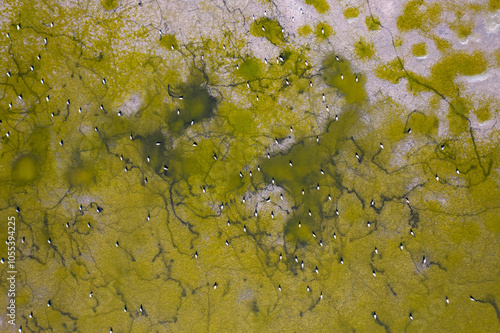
x,y
299,173
462,28
197,104
250,69
484,110
494,5
442,44
109,4
364,49
351,12
153,150
169,42
323,30
24,170
419,49
242,122
189,200
321,6
496,54
337,73
372,23
421,123
418,14
444,72
457,123
268,28
304,30
392,71
82,176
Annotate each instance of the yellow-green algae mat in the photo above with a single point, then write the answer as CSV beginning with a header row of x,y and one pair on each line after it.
x,y
202,166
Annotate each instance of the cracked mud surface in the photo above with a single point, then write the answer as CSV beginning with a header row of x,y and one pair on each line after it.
x,y
208,166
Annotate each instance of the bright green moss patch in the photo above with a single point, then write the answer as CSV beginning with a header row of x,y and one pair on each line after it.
x,y
338,73
351,12
169,42
364,49
418,14
320,5
304,30
250,69
372,23
323,30
268,28
419,49
392,71
109,4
